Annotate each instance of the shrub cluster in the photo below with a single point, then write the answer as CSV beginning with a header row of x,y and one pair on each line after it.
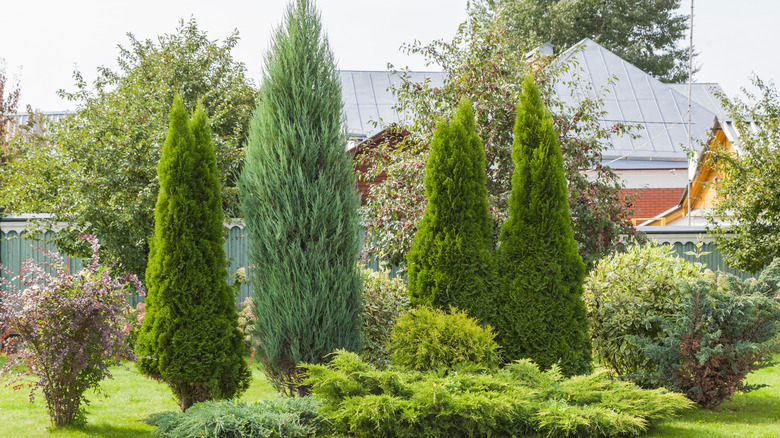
x,y
426,339
518,400
717,338
627,297
384,300
70,330
280,417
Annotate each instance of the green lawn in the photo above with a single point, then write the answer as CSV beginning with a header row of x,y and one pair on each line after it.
x,y
755,414
132,397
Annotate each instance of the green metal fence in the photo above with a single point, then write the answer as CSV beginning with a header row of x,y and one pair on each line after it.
x,y
684,241
15,248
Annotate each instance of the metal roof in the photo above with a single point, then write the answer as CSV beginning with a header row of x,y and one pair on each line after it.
x,y
706,94
368,102
635,97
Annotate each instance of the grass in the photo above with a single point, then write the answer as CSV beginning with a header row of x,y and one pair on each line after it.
x,y
754,414
131,398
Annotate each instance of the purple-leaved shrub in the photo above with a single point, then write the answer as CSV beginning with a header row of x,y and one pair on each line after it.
x,y
67,330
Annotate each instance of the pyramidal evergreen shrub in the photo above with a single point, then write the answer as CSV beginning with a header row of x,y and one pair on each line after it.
x,y
300,203
541,315
451,260
190,338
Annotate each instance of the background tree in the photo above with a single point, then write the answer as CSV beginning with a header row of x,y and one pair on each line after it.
x,y
646,33
121,124
189,338
541,314
483,65
9,101
451,260
748,196
299,199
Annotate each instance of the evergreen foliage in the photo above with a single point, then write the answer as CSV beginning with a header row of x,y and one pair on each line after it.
x,y
190,338
541,314
299,199
718,337
275,418
426,339
518,400
451,261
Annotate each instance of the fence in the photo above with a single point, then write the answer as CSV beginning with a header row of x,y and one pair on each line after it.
x,y
684,240
15,248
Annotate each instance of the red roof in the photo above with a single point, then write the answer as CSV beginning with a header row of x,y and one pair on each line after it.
x,y
654,201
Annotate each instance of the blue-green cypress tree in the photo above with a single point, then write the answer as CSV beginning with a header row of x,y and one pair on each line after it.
x,y
300,203
541,314
451,260
190,338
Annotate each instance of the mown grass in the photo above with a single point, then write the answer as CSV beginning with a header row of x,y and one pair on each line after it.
x,y
754,414
130,398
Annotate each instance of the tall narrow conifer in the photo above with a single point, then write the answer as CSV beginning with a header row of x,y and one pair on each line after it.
x,y
451,261
541,311
300,203
190,338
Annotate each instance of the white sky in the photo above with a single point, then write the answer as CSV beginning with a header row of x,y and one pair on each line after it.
x,y
42,40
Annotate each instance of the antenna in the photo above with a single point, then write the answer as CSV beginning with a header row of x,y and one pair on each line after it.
x,y
690,93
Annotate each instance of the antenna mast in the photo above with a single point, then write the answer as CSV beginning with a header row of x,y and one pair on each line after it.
x,y
690,93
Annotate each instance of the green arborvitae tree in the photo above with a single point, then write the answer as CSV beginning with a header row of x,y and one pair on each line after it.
x,y
300,203
541,314
451,261
190,338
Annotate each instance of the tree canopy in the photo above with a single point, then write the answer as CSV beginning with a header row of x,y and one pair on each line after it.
x,y
451,260
480,63
646,33
300,204
541,314
105,155
189,338
746,217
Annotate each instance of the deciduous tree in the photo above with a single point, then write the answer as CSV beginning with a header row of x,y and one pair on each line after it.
x,y
645,33
746,218
9,101
483,65
109,149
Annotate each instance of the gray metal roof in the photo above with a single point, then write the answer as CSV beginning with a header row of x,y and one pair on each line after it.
x,y
635,97
706,94
368,102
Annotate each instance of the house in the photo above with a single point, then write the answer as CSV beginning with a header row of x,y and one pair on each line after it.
x,y
704,181
653,162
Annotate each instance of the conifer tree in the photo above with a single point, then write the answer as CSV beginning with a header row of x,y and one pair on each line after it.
x,y
541,314
190,338
451,261
300,203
